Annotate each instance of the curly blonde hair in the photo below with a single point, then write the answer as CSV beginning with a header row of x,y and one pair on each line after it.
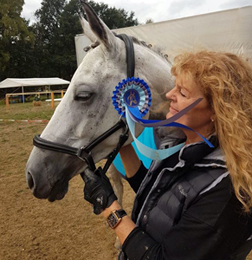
x,y
226,82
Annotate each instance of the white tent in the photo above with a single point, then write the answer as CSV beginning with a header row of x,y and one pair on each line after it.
x,y
31,82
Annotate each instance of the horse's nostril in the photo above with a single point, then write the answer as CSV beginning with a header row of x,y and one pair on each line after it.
x,y
30,180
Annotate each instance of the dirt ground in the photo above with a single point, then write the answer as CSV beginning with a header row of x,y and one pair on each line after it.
x,y
37,229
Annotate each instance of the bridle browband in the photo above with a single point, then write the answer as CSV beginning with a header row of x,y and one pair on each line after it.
x,y
85,153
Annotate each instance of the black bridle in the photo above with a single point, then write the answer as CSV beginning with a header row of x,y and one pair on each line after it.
x,y
85,153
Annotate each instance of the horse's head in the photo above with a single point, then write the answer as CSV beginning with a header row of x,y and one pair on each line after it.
x,y
86,111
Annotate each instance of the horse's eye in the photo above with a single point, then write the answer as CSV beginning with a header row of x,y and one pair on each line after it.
x,y
83,96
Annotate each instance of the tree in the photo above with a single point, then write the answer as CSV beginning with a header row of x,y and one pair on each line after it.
x,y
13,32
149,21
55,29
69,27
21,62
49,16
46,30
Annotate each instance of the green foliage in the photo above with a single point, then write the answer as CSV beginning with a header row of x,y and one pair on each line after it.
x,y
14,32
149,21
11,23
69,22
48,17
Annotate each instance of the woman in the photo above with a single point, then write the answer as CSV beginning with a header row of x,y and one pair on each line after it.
x,y
196,204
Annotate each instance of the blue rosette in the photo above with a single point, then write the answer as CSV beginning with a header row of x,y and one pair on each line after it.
x,y
132,92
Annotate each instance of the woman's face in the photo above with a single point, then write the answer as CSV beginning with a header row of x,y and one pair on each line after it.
x,y
198,118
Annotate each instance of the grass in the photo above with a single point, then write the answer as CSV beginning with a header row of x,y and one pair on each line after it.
x,y
26,111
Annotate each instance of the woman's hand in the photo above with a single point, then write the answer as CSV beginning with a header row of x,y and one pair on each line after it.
x,y
98,190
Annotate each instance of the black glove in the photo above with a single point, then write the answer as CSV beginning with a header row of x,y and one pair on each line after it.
x,y
98,190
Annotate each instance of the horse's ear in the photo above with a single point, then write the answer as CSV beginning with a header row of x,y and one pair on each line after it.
x,y
87,30
99,28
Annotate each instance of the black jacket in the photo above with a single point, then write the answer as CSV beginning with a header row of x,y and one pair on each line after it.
x,y
185,208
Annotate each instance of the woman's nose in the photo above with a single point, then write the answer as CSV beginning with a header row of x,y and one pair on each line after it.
x,y
169,95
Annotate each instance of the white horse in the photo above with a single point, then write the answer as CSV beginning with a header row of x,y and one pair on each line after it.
x,y
86,111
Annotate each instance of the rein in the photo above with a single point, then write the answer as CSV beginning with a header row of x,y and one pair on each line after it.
x,y
85,153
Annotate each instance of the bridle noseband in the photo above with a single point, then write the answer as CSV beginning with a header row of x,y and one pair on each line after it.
x,y
85,153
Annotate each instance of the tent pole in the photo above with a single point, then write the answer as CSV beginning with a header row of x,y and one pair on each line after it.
x,y
23,93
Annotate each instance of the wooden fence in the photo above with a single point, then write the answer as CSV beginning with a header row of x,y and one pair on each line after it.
x,y
22,95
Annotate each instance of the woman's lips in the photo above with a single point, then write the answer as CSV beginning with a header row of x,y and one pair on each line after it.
x,y
173,110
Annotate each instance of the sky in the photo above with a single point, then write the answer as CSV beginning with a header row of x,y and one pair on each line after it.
x,y
158,10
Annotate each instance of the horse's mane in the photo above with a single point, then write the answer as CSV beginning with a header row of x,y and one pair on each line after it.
x,y
150,46
136,41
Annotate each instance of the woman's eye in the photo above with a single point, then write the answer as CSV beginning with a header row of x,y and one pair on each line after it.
x,y
182,94
181,91
83,96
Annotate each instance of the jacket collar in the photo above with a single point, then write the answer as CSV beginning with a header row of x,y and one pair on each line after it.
x,y
200,154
